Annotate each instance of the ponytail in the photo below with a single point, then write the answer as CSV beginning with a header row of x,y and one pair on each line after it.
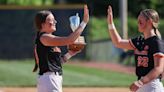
x,y
157,33
153,15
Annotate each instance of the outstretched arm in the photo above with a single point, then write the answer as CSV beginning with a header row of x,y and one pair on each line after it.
x,y
51,40
116,39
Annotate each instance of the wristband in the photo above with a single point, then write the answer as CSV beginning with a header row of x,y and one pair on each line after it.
x,y
111,26
68,56
139,83
83,25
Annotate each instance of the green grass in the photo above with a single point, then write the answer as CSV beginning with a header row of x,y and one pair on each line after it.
x,y
14,73
80,76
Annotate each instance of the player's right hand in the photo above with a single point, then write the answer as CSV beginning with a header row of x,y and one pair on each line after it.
x,y
86,14
110,15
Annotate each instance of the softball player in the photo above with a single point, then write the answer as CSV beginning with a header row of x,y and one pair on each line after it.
x,y
47,53
148,50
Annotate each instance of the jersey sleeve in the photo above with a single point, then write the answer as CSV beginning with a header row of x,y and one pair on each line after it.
x,y
158,48
136,42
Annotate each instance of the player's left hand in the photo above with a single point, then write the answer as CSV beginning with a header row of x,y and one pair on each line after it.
x,y
133,87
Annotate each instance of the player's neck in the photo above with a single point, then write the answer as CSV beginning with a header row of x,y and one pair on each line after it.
x,y
149,33
42,30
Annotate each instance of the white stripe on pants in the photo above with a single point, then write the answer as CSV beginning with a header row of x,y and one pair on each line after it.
x,y
153,86
50,82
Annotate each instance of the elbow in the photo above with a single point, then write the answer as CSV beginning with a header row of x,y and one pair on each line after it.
x,y
160,71
117,44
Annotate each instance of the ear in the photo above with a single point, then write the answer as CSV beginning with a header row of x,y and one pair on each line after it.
x,y
150,21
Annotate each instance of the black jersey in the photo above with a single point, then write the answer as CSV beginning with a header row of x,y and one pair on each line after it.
x,y
47,59
144,51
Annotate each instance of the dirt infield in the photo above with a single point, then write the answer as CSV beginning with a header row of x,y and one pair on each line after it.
x,y
88,89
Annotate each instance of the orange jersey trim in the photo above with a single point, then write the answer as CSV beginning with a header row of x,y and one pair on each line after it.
x,y
158,55
130,41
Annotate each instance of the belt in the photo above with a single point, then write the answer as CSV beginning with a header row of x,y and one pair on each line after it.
x,y
49,73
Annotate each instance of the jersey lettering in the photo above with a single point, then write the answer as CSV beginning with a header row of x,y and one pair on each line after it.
x,y
142,61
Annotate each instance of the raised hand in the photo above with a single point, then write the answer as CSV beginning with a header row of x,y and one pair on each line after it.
x,y
86,14
110,15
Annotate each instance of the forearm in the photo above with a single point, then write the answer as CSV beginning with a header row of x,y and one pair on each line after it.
x,y
146,79
114,34
72,37
116,39
151,75
155,72
67,56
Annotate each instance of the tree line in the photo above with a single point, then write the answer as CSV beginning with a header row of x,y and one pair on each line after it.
x,y
98,7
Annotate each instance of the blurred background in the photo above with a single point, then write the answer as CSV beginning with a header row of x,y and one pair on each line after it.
x,y
17,34
18,31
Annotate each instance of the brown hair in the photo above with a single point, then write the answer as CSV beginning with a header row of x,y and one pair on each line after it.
x,y
152,14
41,18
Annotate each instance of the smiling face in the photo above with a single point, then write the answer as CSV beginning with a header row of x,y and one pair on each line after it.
x,y
45,21
50,23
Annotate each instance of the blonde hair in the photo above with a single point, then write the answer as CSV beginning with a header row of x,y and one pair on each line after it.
x,y
153,15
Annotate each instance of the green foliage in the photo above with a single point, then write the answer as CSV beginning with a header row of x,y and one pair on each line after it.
x,y
3,2
99,31
132,27
27,2
99,7
161,27
135,6
99,28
